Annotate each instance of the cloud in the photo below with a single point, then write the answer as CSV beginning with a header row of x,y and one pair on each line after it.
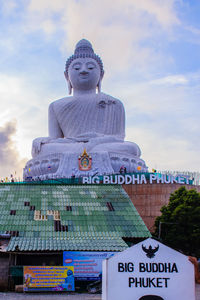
x,y
8,7
120,30
26,102
9,156
163,12
164,120
171,79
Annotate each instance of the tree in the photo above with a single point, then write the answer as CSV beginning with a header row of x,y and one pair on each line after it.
x,y
179,224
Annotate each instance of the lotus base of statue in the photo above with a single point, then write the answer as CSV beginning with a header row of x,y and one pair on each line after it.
x,y
67,165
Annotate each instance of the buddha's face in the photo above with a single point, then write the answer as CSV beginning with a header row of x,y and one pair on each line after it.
x,y
84,74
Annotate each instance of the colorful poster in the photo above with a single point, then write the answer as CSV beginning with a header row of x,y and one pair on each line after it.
x,y
87,265
43,278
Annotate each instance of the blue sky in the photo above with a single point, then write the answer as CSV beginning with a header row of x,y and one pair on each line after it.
x,y
151,55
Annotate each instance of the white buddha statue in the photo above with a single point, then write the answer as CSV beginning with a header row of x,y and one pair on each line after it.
x,y
88,119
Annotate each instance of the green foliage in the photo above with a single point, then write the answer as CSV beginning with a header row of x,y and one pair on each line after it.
x,y
179,224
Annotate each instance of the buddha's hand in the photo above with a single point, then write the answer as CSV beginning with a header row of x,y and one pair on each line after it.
x,y
37,144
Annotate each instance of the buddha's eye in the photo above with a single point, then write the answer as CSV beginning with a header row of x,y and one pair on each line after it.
x,y
90,66
76,67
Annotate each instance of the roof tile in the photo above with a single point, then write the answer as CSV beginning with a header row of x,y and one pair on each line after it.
x,y
90,225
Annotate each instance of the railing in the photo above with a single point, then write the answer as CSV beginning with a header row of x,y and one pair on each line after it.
x,y
192,178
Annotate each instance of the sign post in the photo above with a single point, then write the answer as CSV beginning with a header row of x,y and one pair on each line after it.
x,y
148,270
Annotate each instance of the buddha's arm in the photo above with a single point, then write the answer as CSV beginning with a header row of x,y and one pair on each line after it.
x,y
55,133
54,127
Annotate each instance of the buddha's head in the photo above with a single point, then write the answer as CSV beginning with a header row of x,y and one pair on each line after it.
x,y
84,69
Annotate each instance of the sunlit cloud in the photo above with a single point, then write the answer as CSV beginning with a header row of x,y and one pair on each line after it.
x,y
9,156
118,30
173,79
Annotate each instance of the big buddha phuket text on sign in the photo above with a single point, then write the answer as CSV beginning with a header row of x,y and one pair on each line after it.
x,y
135,179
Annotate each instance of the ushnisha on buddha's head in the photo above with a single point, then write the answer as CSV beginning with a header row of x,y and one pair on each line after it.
x,y
84,69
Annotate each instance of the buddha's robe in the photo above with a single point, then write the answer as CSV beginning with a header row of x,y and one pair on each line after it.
x,y
96,122
80,118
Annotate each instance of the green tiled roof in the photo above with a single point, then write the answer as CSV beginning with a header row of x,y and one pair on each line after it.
x,y
68,217
75,244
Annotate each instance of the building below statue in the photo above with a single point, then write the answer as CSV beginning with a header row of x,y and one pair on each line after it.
x,y
149,198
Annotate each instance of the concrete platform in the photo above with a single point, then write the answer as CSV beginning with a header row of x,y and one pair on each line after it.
x,y
54,296
47,296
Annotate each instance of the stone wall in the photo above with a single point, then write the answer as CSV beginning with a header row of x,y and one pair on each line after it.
x,y
149,198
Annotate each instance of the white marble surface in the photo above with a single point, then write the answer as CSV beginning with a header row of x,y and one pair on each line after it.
x,y
86,120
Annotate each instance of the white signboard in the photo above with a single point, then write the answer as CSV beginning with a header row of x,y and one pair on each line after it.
x,y
148,270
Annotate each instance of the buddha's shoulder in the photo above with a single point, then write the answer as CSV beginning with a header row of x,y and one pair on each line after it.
x,y
99,98
109,98
61,101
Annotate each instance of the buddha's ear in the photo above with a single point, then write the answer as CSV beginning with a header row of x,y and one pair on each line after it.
x,y
68,83
99,83
99,86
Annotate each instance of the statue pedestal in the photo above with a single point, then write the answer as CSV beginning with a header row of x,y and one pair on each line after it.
x,y
66,165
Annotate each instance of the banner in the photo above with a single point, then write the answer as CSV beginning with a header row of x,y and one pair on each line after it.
x,y
43,278
87,265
